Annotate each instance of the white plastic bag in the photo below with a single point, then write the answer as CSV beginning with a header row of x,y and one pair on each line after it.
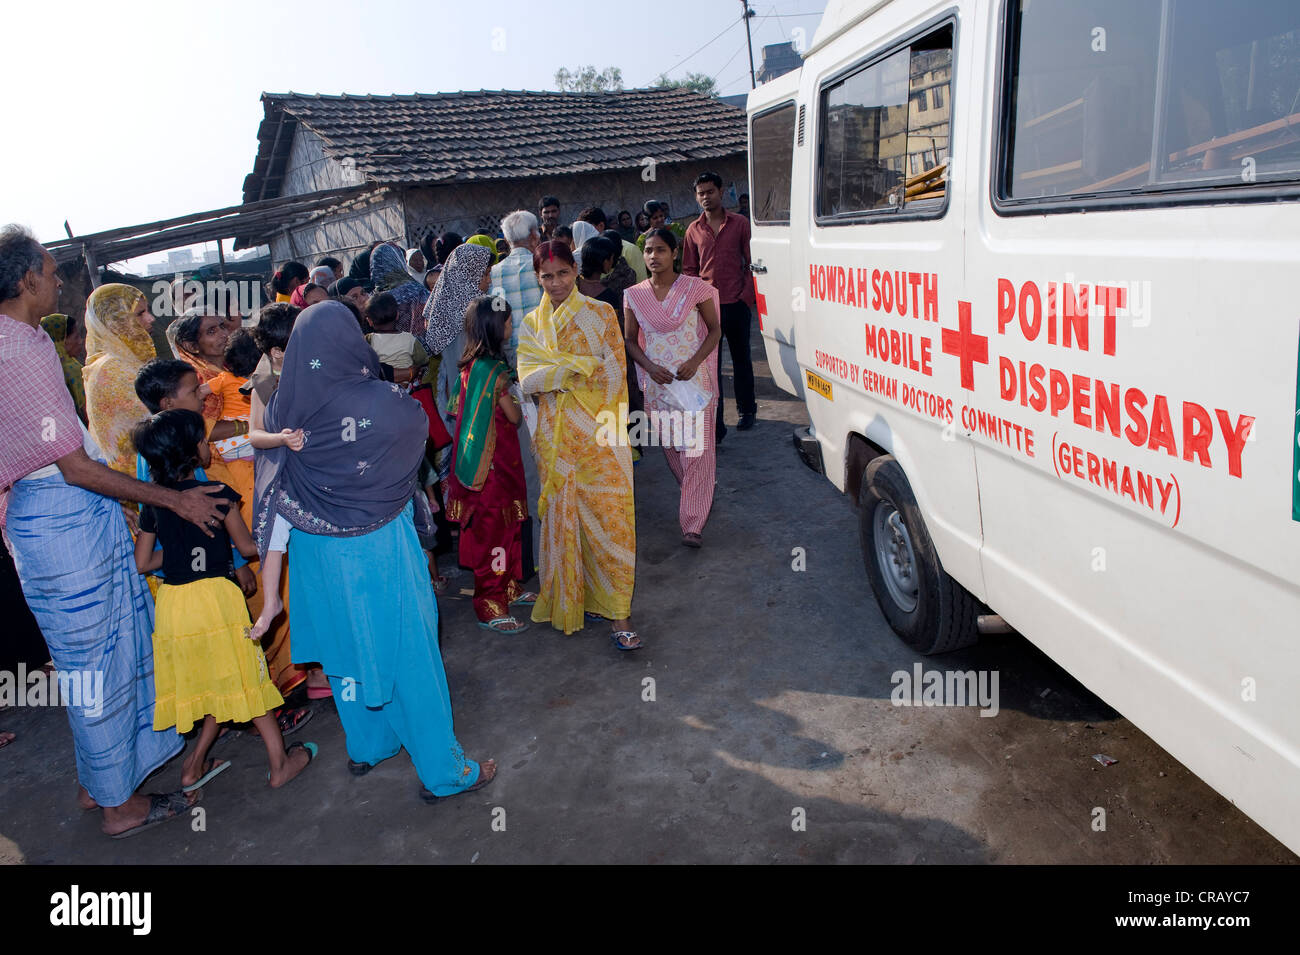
x,y
686,396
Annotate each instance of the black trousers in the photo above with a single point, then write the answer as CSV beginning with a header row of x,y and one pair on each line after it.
x,y
735,332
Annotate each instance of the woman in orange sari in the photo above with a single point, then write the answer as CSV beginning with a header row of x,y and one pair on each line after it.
x,y
199,338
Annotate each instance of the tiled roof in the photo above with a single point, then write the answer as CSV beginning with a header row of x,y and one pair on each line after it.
x,y
474,136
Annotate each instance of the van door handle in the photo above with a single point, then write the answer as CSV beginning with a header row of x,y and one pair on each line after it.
x,y
757,269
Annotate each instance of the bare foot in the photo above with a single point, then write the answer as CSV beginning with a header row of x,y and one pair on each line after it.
x,y
84,800
297,758
6,739
271,607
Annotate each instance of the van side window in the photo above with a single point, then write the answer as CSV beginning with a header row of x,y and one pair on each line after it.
x,y
772,142
885,132
1085,117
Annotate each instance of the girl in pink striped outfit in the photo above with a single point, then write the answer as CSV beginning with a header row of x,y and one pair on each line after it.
x,y
670,323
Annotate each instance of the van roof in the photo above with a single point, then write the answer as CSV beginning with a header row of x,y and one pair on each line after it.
x,y
840,15
782,87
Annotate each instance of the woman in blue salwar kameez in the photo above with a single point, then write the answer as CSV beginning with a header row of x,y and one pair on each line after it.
x,y
360,602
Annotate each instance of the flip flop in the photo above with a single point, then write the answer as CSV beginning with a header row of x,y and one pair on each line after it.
x,y
526,599
692,540
630,634
497,625
311,748
319,692
213,769
162,808
292,719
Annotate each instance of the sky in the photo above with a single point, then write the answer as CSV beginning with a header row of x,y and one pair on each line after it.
x,y
136,111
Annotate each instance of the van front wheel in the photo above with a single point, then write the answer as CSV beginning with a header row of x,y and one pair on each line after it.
x,y
927,608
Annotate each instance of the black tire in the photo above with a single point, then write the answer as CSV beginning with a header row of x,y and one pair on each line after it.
x,y
941,614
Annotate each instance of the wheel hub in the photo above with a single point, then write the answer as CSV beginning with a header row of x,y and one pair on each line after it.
x,y
895,557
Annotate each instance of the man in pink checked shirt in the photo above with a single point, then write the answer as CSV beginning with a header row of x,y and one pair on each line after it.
x,y
62,519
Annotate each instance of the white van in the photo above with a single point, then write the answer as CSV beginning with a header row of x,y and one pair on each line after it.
x,y
1034,266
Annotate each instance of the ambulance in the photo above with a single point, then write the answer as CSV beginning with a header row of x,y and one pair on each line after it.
x,y
1034,268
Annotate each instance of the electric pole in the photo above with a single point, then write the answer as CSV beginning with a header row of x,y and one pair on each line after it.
x,y
750,43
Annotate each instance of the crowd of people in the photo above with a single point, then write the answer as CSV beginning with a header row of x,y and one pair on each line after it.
x,y
180,524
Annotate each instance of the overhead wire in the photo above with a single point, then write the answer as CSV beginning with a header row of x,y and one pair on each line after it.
x,y
709,43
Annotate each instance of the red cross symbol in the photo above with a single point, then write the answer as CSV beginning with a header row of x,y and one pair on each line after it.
x,y
966,345
761,301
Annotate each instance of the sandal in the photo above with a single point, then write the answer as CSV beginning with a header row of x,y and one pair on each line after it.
x,y
526,599
211,769
292,719
622,638
359,769
692,540
162,808
439,584
484,777
501,625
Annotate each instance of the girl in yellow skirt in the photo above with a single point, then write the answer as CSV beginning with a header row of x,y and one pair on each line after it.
x,y
205,667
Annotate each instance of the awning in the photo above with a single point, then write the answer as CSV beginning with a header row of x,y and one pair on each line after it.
x,y
251,222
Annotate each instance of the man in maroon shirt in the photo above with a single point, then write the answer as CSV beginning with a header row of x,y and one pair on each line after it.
x,y
716,249
548,214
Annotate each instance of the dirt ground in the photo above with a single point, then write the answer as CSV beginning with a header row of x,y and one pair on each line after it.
x,y
770,736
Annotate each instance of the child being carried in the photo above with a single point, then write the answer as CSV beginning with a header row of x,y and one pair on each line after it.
x,y
401,350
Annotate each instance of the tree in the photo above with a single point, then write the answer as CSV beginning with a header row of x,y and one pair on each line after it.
x,y
698,82
586,80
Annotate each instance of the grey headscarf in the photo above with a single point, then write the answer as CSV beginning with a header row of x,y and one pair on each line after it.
x,y
444,313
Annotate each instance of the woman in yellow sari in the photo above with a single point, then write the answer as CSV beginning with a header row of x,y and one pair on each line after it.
x,y
63,332
117,344
571,358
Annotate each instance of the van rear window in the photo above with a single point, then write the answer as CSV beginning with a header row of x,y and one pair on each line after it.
x,y
772,144
885,132
1137,96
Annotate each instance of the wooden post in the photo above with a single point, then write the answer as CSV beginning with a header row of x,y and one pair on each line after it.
x,y
221,257
91,266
